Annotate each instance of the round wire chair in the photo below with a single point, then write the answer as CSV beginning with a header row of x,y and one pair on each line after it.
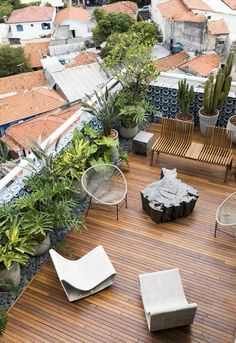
x,y
106,185
226,214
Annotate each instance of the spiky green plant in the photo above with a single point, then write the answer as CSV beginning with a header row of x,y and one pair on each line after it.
x,y
216,90
185,96
3,321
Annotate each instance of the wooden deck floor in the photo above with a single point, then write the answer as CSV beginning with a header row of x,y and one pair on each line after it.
x,y
137,245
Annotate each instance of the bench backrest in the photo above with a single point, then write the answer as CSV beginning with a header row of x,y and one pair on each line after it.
x,y
218,137
177,129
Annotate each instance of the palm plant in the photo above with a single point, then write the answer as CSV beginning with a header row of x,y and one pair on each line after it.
x,y
103,109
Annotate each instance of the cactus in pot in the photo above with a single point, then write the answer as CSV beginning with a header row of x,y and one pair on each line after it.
x,y
185,97
216,91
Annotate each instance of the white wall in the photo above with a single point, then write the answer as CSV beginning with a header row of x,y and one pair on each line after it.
x,y
29,31
79,27
54,3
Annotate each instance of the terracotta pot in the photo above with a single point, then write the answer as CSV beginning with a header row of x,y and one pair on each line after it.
x,y
206,120
184,117
12,274
231,125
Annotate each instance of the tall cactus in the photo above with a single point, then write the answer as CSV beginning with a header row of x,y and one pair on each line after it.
x,y
185,96
216,90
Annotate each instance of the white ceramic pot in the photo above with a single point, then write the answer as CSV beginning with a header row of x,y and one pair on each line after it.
x,y
115,155
12,274
204,121
231,126
128,133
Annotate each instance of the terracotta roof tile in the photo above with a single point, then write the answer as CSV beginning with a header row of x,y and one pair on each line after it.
x,y
197,5
82,59
29,103
176,10
20,136
202,65
230,3
171,62
22,81
125,7
34,52
72,12
31,14
218,27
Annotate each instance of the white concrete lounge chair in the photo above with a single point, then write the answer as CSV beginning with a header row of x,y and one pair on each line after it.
x,y
226,216
164,301
86,276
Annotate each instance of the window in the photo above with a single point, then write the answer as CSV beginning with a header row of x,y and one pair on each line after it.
x,y
31,25
19,28
46,26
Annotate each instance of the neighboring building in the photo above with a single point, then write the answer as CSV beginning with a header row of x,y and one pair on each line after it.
x,y
217,38
82,59
71,22
35,52
54,3
19,137
124,7
3,33
171,62
75,82
28,104
10,85
202,65
31,22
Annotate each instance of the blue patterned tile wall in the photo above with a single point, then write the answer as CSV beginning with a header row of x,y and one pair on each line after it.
x,y
164,100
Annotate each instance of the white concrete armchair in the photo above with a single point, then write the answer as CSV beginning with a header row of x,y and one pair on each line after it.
x,y
164,301
86,276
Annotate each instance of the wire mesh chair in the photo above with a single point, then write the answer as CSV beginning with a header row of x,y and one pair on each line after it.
x,y
106,185
226,214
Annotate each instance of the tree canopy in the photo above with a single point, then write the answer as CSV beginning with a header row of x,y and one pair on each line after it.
x,y
111,23
7,6
148,31
12,61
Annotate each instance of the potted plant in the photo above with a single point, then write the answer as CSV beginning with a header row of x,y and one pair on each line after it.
x,y
185,98
231,125
3,321
215,93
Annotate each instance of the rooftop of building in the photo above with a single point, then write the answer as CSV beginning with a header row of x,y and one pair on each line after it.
x,y
31,14
202,65
125,7
217,27
72,13
35,52
172,61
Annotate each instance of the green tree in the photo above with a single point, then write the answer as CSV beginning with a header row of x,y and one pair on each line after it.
x,y
111,23
98,14
148,32
12,61
5,9
131,62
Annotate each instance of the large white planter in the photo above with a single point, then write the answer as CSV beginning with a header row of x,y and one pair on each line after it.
x,y
128,133
115,155
43,247
204,121
12,274
231,126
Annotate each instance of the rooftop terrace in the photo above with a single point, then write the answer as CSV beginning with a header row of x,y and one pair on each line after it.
x,y
137,245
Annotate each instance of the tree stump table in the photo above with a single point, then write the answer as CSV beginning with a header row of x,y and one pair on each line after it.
x,y
169,198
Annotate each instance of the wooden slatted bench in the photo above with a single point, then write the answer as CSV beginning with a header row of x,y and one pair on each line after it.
x,y
175,138
216,149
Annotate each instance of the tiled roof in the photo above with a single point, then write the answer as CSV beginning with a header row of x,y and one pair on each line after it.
x,y
230,3
218,27
202,65
22,81
170,62
176,10
28,103
20,136
197,5
31,14
34,51
125,7
82,59
71,12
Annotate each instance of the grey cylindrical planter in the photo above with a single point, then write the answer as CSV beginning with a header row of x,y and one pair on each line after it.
x,y
115,155
204,121
43,247
12,274
231,126
128,133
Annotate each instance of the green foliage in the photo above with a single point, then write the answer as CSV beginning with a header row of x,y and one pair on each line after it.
x,y
12,61
5,9
131,62
111,23
103,109
132,116
4,152
216,89
98,14
185,96
3,321
148,32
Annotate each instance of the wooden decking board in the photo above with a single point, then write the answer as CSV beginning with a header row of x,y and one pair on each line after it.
x,y
137,245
